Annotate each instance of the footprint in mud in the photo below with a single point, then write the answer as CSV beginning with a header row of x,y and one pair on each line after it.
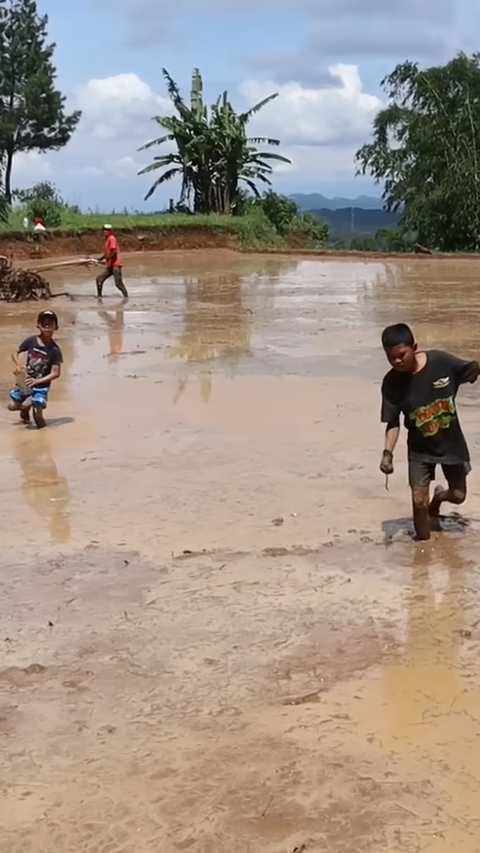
x,y
308,699
454,523
20,677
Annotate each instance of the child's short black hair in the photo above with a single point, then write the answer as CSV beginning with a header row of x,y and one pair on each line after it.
x,y
47,315
397,335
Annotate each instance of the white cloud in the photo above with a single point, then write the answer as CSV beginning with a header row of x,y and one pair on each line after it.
x,y
31,167
319,129
311,164
118,106
123,167
84,171
329,115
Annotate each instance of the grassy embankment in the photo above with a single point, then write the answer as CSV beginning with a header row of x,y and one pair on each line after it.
x,y
251,231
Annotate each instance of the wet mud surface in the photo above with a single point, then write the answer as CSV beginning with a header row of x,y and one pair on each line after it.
x,y
217,633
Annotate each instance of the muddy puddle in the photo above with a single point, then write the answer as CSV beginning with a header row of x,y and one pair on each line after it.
x,y
217,633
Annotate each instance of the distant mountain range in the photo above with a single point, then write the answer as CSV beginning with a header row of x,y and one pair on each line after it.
x,y
316,201
356,220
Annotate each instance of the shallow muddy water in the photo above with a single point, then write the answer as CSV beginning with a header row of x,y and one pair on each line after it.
x,y
218,634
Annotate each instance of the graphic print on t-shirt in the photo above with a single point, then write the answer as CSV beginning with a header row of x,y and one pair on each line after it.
x,y
40,358
434,417
442,383
38,363
427,401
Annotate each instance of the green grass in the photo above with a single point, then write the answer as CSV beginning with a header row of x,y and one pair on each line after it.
x,y
124,220
253,230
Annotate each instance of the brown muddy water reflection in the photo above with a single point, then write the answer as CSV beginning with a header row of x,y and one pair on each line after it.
x,y
179,672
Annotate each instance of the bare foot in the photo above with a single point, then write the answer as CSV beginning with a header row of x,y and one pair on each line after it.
x,y
434,508
25,416
38,418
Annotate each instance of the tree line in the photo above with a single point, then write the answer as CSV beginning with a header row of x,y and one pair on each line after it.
x,y
32,108
424,150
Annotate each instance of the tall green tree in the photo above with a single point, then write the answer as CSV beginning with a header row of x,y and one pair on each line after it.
x,y
212,152
32,109
426,151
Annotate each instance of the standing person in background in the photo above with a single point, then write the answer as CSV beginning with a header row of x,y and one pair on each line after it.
x,y
39,230
113,264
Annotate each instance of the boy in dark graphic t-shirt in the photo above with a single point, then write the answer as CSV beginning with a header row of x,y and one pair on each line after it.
x,y
43,365
423,386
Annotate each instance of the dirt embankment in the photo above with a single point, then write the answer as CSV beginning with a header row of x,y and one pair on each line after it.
x,y
65,243
89,242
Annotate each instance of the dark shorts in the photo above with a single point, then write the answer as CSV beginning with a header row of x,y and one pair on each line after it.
x,y
422,473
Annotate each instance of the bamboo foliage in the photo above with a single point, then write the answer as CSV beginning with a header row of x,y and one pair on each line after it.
x,y
425,150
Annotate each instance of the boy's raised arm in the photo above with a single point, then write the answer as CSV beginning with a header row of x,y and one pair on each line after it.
x,y
15,357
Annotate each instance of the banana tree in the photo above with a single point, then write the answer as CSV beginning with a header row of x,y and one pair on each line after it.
x,y
213,152
185,131
238,158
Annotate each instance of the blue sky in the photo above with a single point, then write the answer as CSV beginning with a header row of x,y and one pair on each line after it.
x,y
325,58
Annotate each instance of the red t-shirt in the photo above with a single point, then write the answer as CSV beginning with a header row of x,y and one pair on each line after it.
x,y
111,245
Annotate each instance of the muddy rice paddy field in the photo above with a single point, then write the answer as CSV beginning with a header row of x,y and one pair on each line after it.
x,y
216,632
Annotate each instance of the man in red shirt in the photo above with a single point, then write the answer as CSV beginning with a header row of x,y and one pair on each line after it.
x,y
113,264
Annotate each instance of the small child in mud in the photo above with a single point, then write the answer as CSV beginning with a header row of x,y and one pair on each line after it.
x,y
43,364
423,386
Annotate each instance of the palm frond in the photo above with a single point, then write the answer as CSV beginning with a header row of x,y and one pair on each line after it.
x,y
263,140
245,117
268,155
167,176
153,142
161,162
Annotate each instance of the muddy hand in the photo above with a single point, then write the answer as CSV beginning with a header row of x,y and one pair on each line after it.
x,y
386,465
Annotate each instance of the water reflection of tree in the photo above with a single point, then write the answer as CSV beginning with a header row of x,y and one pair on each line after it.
x,y
401,288
437,298
425,679
217,328
217,320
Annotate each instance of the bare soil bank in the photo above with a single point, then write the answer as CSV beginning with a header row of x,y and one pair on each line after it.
x,y
89,242
63,243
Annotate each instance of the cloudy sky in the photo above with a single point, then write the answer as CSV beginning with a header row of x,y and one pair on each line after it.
x,y
325,58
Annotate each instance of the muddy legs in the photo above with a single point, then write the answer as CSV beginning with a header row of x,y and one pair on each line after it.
x,y
420,507
455,493
424,509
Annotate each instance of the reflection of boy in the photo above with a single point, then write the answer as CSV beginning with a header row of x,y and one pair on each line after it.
x,y
423,386
43,365
45,490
